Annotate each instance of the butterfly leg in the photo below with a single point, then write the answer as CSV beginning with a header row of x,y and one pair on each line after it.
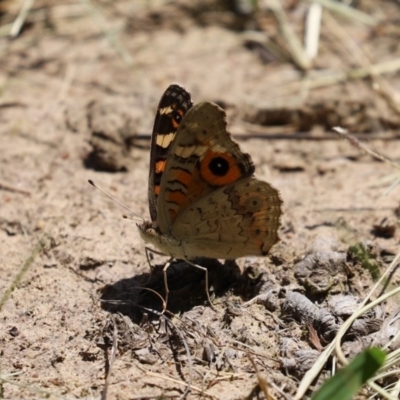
x,y
149,251
166,266
206,280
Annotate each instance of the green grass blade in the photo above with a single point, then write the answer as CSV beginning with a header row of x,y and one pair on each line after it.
x,y
348,381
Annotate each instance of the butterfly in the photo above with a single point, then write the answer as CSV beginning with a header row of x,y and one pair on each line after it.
x,y
204,200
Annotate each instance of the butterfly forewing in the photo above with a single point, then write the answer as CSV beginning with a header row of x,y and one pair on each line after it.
x,y
174,104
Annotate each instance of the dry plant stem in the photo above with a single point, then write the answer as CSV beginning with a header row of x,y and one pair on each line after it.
x,y
346,325
346,11
261,381
342,76
293,42
313,27
335,344
355,51
392,186
396,389
381,391
362,309
392,360
19,22
387,92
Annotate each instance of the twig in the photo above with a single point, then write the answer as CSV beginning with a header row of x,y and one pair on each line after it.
x,y
357,144
11,188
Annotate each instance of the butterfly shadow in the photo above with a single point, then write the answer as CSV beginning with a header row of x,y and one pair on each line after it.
x,y
137,295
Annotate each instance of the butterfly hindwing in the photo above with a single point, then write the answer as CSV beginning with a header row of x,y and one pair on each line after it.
x,y
236,220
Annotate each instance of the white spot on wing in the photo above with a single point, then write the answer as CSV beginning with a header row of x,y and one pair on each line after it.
x,y
165,140
165,110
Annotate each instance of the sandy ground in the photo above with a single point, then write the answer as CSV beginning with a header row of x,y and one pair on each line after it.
x,y
80,86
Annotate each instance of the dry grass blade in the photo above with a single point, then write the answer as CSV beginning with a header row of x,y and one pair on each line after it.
x,y
293,42
341,35
342,76
346,11
19,22
363,309
24,268
312,30
355,52
312,373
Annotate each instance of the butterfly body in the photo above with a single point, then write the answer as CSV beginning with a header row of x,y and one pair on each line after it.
x,y
204,199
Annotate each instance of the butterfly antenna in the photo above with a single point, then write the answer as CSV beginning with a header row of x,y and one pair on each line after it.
x,y
118,202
